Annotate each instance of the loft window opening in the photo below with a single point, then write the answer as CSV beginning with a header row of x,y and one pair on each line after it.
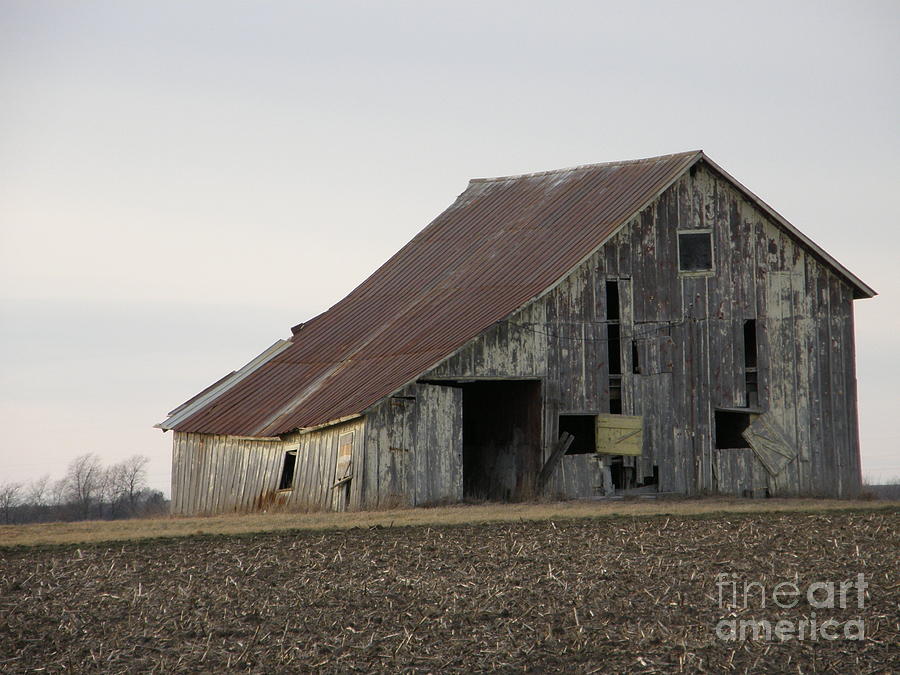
x,y
751,381
612,300
695,252
729,429
751,384
615,395
614,348
287,470
584,430
750,343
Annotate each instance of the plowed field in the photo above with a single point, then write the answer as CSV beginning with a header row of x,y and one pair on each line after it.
x,y
587,595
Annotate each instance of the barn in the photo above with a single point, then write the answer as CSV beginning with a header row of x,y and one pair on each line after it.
x,y
635,327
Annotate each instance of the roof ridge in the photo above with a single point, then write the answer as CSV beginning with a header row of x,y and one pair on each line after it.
x,y
581,167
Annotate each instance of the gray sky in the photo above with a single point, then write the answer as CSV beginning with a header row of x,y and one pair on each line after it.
x,y
180,182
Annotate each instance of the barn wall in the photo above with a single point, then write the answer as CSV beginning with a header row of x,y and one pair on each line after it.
x,y
221,474
689,339
316,469
218,474
413,448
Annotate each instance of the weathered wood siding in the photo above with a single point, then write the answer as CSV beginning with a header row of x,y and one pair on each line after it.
x,y
316,472
220,474
413,448
216,474
689,334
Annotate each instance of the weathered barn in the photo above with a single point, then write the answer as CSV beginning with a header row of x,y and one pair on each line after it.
x,y
673,329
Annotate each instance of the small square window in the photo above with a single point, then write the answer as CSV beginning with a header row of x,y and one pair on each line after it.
x,y
695,252
584,429
730,427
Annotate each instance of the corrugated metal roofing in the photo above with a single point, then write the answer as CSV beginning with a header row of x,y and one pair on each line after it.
x,y
500,244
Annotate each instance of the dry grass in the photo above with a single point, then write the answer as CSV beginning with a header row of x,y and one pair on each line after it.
x,y
123,530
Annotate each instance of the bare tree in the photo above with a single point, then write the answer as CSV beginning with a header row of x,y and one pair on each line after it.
x,y
84,482
37,491
127,480
58,491
88,490
10,496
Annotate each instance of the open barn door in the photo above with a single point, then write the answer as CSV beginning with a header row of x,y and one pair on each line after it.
x,y
501,439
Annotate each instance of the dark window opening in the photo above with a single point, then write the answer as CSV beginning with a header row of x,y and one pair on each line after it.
x,y
287,471
613,344
584,429
614,347
695,251
729,429
750,343
612,300
635,358
751,382
752,387
615,395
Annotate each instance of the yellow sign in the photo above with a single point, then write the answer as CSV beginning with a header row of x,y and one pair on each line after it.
x,y
620,434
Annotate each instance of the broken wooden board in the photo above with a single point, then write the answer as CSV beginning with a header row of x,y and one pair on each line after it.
x,y
770,444
559,450
620,434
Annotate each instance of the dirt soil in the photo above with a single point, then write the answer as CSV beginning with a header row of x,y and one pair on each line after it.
x,y
606,595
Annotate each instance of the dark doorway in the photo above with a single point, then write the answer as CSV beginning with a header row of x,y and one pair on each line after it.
x,y
501,439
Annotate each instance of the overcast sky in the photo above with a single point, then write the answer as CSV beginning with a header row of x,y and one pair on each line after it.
x,y
181,182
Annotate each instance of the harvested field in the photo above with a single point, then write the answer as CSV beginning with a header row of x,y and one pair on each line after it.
x,y
618,594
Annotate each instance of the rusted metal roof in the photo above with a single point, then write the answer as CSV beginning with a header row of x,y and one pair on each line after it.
x,y
499,245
